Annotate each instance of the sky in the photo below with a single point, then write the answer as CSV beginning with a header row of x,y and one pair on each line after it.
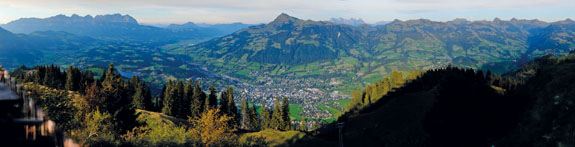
x,y
263,11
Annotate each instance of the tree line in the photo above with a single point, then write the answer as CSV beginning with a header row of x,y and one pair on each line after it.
x,y
75,99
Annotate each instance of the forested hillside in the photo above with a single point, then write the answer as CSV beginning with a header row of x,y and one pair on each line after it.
x,y
464,107
114,111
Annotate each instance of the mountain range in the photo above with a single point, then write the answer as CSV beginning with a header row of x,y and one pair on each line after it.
x,y
119,27
289,46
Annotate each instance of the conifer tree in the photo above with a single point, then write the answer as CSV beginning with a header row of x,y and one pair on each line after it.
x,y
148,105
224,102
286,125
254,121
245,116
159,100
138,93
277,119
187,96
73,79
265,116
178,94
233,110
117,101
169,100
198,100
212,98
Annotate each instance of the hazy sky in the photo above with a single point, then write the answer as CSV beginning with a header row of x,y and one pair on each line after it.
x,y
263,11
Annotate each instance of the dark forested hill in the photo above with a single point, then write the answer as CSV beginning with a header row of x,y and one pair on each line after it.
x,y
457,107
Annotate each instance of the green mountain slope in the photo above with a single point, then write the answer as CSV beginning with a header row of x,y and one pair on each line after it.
x,y
289,47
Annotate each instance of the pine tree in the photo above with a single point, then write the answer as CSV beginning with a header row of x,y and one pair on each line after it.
x,y
148,105
117,101
286,125
245,116
254,121
160,100
186,101
265,116
139,92
73,79
169,100
233,110
178,94
142,98
277,119
198,101
224,102
212,98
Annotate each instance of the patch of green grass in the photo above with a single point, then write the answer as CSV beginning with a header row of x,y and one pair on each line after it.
x,y
244,73
97,71
341,103
145,115
294,111
275,137
331,110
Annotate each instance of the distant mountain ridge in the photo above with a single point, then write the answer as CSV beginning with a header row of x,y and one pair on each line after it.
x,y
58,22
115,27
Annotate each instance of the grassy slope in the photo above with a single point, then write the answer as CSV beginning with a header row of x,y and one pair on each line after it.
x,y
277,138
145,115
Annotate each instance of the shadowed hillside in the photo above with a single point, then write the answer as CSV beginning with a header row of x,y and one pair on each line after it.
x,y
463,107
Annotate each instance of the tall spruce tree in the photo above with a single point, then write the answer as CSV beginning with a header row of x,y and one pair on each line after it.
x,y
212,98
254,121
138,92
187,98
245,114
198,100
117,101
73,79
277,119
142,98
265,116
224,102
286,124
179,100
159,100
232,109
169,100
